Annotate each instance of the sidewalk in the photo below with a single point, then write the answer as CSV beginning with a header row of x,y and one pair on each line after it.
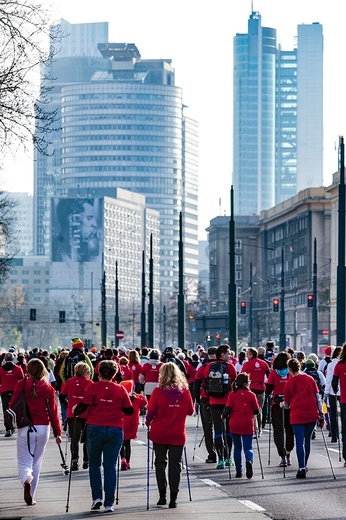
x,y
207,498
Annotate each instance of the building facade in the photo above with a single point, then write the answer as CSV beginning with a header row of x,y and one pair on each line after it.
x,y
22,214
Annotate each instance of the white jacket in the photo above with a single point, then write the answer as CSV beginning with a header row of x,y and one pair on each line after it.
x,y
329,377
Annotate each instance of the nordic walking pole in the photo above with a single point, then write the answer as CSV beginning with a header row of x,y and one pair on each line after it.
x,y
70,475
63,464
196,434
325,444
148,463
187,474
259,453
228,455
118,480
284,440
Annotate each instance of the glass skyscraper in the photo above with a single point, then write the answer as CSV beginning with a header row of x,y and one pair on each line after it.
x,y
278,116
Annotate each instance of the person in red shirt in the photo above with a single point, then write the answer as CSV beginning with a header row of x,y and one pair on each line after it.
x,y
302,395
9,375
149,375
32,440
72,393
202,400
275,387
258,370
241,407
136,367
222,435
168,407
139,402
125,370
106,402
339,378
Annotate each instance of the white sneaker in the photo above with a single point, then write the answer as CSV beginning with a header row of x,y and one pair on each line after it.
x,y
109,509
96,504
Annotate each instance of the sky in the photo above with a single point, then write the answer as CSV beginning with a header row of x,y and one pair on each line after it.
x,y
197,35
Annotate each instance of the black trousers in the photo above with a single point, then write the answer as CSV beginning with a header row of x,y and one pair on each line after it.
x,y
5,399
207,424
76,427
277,422
173,455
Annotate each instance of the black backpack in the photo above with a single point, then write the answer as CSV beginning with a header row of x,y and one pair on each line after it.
x,y
217,380
71,361
313,373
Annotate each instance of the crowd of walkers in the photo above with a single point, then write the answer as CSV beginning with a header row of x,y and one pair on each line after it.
x,y
98,397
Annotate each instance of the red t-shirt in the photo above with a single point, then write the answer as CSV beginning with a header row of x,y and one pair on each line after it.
x,y
300,393
278,382
191,373
243,404
168,425
340,371
136,370
74,388
232,374
257,370
9,378
126,372
106,401
131,421
151,372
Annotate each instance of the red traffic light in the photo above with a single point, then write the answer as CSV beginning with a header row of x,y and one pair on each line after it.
x,y
243,307
276,304
310,300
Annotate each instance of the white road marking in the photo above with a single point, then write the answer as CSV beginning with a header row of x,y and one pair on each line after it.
x,y
210,482
252,505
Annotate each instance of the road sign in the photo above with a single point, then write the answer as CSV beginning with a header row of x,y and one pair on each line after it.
x,y
119,334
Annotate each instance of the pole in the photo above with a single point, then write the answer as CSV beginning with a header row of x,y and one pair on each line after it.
x,y
103,306
340,272
250,310
143,332
232,287
116,317
151,300
181,296
92,308
164,326
314,335
282,304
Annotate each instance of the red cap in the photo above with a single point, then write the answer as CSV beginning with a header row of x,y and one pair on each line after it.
x,y
328,351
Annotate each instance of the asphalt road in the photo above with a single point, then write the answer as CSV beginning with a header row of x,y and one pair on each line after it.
x,y
318,497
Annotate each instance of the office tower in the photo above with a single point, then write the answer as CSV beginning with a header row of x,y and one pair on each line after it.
x,y
77,61
124,126
21,213
278,116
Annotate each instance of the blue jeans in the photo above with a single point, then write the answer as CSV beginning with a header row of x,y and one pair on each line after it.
x,y
103,445
238,441
303,433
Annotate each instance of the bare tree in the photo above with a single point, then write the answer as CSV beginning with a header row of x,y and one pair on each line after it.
x,y
26,43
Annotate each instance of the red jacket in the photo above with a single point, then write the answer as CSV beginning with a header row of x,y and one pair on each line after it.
x,y
9,375
106,401
131,421
243,403
37,405
169,410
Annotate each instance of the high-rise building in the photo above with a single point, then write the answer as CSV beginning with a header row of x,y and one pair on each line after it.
x,y
21,213
278,116
123,125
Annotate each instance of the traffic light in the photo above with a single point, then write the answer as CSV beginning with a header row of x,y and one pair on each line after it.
x,y
62,316
242,307
276,303
218,336
32,314
310,300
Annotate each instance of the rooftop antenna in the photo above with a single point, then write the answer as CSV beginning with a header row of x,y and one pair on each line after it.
x,y
220,205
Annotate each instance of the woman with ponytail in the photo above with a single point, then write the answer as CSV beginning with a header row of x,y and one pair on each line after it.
x,y
241,406
32,440
275,387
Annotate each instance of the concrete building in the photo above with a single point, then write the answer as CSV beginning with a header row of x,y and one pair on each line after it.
x,y
118,230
